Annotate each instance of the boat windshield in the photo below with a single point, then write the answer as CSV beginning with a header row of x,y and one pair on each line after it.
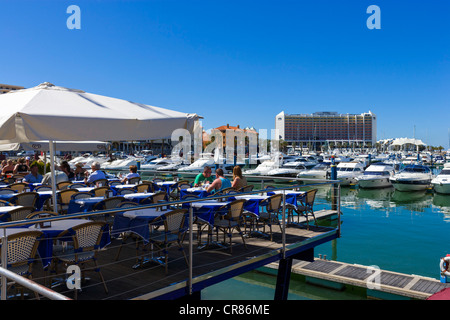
x,y
445,171
417,169
376,173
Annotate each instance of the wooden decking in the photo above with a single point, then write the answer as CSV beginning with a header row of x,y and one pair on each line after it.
x,y
210,266
410,286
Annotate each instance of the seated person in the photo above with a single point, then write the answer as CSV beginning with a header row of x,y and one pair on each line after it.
x,y
96,174
8,169
79,172
20,167
220,183
203,177
239,181
133,174
33,176
65,167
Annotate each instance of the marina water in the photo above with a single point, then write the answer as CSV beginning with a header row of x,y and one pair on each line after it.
x,y
404,232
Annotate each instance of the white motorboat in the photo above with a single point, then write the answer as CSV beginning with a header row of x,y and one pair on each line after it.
x,y
412,178
376,176
154,164
348,172
441,183
319,171
120,164
290,169
198,166
174,166
262,169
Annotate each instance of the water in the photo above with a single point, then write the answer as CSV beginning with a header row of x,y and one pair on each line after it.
x,y
403,232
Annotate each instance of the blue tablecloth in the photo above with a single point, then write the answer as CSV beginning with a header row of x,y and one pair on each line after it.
x,y
194,191
137,197
252,202
83,205
292,197
206,210
136,221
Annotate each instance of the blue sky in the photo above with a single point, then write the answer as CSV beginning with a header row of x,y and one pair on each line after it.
x,y
242,62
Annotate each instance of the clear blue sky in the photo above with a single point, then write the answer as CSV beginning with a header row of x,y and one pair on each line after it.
x,y
242,62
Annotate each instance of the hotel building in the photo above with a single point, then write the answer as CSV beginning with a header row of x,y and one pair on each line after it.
x,y
4,88
322,128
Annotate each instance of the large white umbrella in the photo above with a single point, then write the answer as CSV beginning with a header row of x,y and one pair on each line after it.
x,y
59,145
51,113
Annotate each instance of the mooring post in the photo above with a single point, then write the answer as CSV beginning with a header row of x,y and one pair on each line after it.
x,y
283,279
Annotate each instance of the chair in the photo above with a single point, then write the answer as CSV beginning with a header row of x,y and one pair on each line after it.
x,y
114,183
21,252
63,185
4,203
8,180
19,186
304,209
144,187
127,204
154,199
36,214
101,183
63,199
108,203
20,213
134,180
86,239
76,185
248,188
176,189
231,220
173,233
18,177
26,199
270,215
43,188
124,191
101,191
126,235
81,195
7,191
156,180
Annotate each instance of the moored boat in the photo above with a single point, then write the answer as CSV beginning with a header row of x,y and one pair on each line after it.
x,y
412,178
441,183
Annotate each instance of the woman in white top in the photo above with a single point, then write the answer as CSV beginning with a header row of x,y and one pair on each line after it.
x,y
133,174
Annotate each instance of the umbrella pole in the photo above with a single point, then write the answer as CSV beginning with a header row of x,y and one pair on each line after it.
x,y
52,170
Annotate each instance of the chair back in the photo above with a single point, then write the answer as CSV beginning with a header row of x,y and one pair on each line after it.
x,y
18,186
36,214
100,191
65,196
26,199
20,213
134,180
43,188
101,183
189,197
4,203
22,248
81,195
127,204
7,191
126,191
112,202
114,183
144,187
156,180
274,202
235,209
86,237
247,188
158,196
183,185
63,185
18,177
76,185
310,197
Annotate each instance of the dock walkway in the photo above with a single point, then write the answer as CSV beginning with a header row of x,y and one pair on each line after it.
x,y
409,286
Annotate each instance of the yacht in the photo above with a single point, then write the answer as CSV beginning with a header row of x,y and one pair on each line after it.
x,y
441,183
290,169
376,176
412,178
154,164
348,172
261,170
197,166
319,171
174,166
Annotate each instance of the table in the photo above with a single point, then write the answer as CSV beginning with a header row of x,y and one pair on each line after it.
x,y
137,197
166,185
83,205
292,197
252,202
205,210
197,191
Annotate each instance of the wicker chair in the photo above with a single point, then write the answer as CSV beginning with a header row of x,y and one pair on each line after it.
x,y
127,204
114,183
43,188
86,239
305,208
101,191
4,203
63,185
36,214
248,188
154,199
76,185
21,253
20,213
101,183
108,203
144,187
81,195
173,233
124,191
63,198
7,191
134,180
27,199
19,186
269,216
232,220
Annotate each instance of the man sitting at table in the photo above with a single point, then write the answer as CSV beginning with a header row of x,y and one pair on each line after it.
x,y
220,183
203,177
33,176
95,175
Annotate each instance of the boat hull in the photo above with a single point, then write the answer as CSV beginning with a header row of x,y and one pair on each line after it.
x,y
374,183
443,188
411,185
